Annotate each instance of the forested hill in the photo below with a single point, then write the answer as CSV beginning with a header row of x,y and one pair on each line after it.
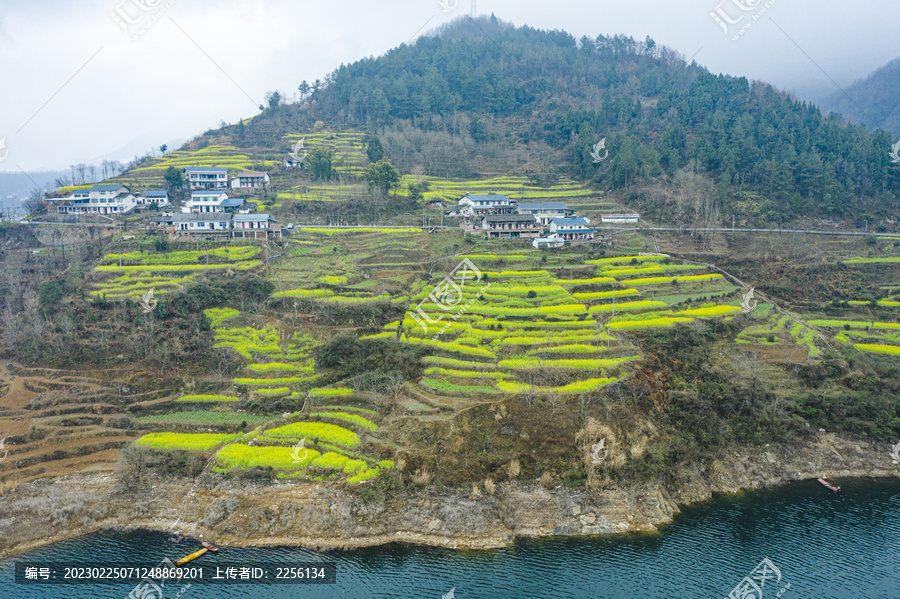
x,y
763,153
874,100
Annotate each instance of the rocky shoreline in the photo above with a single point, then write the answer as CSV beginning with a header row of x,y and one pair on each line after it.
x,y
325,516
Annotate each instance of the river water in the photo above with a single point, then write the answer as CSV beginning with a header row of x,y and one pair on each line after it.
x,y
819,545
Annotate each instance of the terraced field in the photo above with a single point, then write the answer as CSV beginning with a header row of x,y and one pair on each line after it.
x,y
318,445
130,275
525,324
505,336
57,422
216,155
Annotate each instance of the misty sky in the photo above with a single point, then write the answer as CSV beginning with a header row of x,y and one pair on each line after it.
x,y
75,87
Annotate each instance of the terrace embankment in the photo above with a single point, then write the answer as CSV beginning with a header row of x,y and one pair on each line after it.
x,y
330,516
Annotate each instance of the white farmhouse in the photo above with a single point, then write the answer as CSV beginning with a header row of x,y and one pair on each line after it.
x,y
250,180
573,228
99,199
213,177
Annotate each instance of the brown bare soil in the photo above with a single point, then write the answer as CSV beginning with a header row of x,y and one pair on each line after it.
x,y
56,423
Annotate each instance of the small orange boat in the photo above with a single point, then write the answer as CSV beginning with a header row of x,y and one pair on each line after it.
x,y
212,548
830,486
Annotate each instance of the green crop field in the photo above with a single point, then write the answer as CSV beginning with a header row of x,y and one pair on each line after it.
x,y
190,442
210,418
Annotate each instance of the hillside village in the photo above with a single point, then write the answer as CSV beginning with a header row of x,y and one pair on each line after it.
x,y
210,213
465,305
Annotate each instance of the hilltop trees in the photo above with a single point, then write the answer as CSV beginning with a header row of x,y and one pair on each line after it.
x,y
657,112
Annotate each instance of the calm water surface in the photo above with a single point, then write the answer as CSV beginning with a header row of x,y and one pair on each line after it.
x,y
825,545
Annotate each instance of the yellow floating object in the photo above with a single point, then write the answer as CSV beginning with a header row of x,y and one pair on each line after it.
x,y
191,557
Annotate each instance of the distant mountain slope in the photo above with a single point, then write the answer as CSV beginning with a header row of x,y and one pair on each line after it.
x,y
763,152
874,101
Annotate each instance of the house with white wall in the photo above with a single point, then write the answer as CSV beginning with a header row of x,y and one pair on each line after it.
x,y
510,226
573,228
545,212
209,224
214,177
250,180
100,199
255,225
153,197
620,219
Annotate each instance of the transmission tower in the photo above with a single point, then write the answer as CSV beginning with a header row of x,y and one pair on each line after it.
x,y
474,8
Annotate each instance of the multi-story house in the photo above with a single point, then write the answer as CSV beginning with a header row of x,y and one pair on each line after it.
x,y
545,212
99,199
213,177
573,228
250,180
510,225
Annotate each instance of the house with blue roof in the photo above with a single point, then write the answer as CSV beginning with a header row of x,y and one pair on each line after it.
x,y
212,201
572,228
479,206
153,197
